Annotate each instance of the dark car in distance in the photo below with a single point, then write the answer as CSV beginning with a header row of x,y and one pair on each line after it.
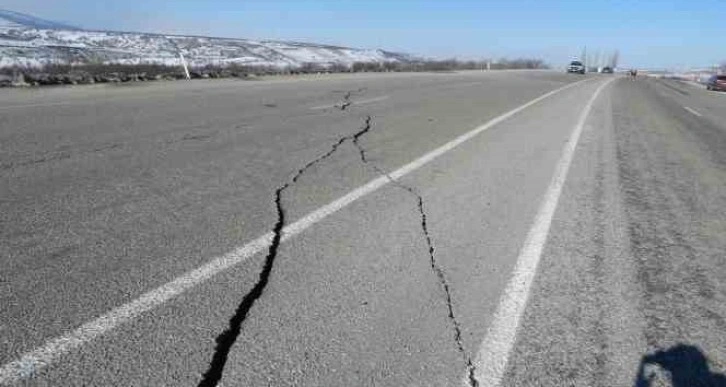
x,y
607,70
717,83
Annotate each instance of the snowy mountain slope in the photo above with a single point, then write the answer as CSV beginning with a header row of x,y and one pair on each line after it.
x,y
28,45
11,19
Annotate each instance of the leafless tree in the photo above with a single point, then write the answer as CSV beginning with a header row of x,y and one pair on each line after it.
x,y
615,58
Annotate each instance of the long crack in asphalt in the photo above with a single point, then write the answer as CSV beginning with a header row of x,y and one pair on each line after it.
x,y
226,339
432,257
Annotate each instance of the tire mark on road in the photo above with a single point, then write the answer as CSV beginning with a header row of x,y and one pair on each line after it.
x,y
665,194
598,272
676,89
57,155
48,157
197,137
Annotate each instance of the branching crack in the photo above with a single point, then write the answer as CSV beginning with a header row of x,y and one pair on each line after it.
x,y
226,340
346,101
346,98
228,337
473,382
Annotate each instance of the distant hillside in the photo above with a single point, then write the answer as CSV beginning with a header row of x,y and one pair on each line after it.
x,y
11,19
32,42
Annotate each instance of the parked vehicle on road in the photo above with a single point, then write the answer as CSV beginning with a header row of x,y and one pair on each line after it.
x,y
607,70
576,67
716,83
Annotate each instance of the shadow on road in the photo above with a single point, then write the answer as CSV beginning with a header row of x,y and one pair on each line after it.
x,y
686,365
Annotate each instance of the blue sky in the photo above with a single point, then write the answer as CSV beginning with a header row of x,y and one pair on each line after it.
x,y
654,33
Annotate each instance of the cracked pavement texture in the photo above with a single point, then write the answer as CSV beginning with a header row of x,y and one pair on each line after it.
x,y
432,255
121,189
226,339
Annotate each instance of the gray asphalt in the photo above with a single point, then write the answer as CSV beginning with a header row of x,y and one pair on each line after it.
x,y
110,192
635,262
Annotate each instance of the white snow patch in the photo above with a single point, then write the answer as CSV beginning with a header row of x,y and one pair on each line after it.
x,y
23,45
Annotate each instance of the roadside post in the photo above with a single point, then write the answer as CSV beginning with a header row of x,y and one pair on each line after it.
x,y
184,64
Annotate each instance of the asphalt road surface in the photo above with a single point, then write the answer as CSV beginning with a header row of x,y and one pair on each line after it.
x,y
450,229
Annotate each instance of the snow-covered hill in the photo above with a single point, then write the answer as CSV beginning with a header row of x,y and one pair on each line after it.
x,y
28,41
11,19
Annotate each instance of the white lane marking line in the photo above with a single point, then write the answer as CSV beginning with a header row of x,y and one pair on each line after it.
x,y
494,351
695,113
371,100
49,352
321,107
353,102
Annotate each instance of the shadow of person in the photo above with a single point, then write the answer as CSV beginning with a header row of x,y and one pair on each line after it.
x,y
686,365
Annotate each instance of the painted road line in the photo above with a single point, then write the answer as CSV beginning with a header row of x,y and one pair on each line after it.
x,y
371,100
33,361
323,107
491,361
695,113
361,102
